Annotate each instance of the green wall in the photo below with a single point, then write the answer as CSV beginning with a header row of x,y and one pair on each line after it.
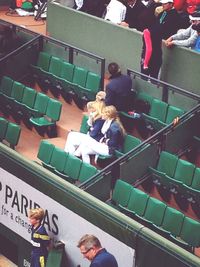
x,y
116,43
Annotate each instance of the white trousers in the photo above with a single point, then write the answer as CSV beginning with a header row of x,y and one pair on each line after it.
x,y
74,139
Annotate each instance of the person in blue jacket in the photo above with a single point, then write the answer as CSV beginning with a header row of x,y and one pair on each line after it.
x,y
39,238
90,247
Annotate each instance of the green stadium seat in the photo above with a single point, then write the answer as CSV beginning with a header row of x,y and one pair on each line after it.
x,y
172,222
121,194
172,113
67,71
86,172
51,116
91,87
84,125
42,63
154,212
166,166
5,92
130,142
71,174
192,192
136,204
12,134
3,128
58,160
17,96
79,79
40,105
28,101
45,152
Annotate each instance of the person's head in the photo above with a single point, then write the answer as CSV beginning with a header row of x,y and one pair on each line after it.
x,y
96,108
195,18
167,4
89,246
110,113
100,96
36,216
114,69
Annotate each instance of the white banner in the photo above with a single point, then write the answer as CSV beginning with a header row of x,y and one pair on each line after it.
x,y
17,197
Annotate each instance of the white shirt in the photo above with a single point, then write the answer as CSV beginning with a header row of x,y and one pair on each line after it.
x,y
79,4
116,12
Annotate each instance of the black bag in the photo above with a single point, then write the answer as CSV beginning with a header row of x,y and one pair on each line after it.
x,y
142,106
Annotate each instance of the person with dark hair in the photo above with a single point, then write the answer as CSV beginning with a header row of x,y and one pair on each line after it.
x,y
119,89
90,247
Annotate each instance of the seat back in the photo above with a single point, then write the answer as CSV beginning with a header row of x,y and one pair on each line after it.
x,y
138,201
184,171
167,163
80,76
6,85
54,109
29,97
44,60
13,134
172,113
58,159
155,211
190,232
3,127
55,66
158,109
45,151
84,125
18,91
145,97
173,221
130,142
67,71
196,179
121,193
72,172
93,82
41,103
86,172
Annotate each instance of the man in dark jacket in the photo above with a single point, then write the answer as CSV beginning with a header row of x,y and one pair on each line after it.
x,y
118,90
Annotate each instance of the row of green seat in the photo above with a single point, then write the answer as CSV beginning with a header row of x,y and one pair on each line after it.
x,y
130,141
177,176
155,214
9,132
25,103
64,164
64,78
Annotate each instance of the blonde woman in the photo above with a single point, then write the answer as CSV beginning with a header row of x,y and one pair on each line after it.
x,y
112,139
95,123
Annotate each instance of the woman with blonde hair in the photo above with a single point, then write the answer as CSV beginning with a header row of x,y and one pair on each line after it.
x,y
94,122
112,139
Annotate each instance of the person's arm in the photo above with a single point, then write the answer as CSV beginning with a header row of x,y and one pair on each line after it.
x,y
109,99
96,128
186,42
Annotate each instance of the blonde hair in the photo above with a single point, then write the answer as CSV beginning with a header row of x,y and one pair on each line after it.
x,y
111,113
37,213
100,96
98,106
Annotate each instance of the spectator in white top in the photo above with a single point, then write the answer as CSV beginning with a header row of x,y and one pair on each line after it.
x,y
186,37
116,11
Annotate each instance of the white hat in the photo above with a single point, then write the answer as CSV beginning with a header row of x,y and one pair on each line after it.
x,y
166,1
195,16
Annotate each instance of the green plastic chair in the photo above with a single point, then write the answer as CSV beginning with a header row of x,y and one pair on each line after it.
x,y
86,172
17,96
45,152
12,134
130,142
154,212
43,61
166,166
172,113
28,100
145,97
55,66
67,71
52,114
40,105
72,173
6,86
92,86
84,125
172,222
3,128
137,203
79,79
192,193
58,160
121,193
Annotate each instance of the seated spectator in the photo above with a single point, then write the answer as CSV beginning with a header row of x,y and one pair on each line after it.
x,y
113,137
115,11
186,37
119,89
133,12
95,123
197,44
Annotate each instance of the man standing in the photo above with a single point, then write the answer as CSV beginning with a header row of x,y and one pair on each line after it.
x,y
118,90
92,250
